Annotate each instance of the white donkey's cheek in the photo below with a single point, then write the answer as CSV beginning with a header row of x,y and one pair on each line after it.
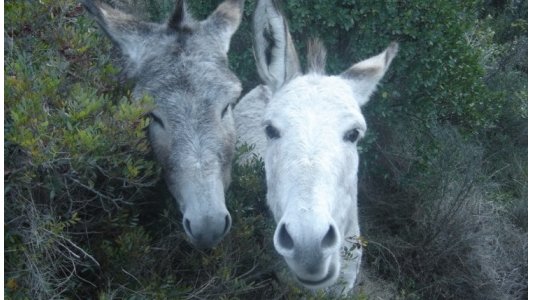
x,y
273,194
347,190
272,179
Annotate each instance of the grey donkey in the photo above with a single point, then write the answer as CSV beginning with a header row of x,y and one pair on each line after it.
x,y
183,65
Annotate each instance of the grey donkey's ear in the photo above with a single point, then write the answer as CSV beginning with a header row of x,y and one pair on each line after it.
x,y
276,58
365,75
225,20
123,29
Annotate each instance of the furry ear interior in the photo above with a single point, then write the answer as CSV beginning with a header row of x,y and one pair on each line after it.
x,y
276,58
123,29
365,75
225,20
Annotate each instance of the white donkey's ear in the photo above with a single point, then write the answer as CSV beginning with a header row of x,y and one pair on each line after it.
x,y
365,75
225,20
276,58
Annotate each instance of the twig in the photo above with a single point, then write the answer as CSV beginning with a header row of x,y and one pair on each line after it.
x,y
75,246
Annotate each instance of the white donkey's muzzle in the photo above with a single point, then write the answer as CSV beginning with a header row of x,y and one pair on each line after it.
x,y
311,246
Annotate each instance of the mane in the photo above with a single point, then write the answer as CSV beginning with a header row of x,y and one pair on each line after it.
x,y
316,56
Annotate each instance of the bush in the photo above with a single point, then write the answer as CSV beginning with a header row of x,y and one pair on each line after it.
x,y
436,75
443,184
501,36
433,232
75,150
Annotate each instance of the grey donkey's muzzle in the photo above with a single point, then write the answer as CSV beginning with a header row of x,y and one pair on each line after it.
x,y
207,231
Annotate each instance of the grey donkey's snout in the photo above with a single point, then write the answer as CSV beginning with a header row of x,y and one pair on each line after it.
x,y
207,231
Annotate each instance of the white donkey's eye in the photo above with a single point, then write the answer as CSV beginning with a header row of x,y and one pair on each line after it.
x,y
351,135
272,132
226,109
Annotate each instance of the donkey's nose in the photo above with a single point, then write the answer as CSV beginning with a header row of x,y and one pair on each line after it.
x,y
283,239
287,238
207,231
331,238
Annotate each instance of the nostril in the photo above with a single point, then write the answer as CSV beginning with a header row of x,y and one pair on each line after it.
x,y
284,238
228,224
330,239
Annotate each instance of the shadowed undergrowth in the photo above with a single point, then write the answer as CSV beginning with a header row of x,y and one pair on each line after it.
x,y
443,200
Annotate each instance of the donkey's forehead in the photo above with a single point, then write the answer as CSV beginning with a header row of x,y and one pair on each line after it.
x,y
206,105
165,50
188,79
329,97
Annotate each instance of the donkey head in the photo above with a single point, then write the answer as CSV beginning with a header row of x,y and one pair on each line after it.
x,y
183,65
312,124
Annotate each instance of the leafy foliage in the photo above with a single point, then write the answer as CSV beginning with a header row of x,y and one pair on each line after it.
x,y
441,69
443,175
75,150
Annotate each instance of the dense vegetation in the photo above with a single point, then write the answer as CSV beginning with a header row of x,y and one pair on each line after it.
x,y
443,189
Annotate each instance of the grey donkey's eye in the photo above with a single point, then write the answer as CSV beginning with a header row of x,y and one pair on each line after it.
x,y
351,135
157,120
272,132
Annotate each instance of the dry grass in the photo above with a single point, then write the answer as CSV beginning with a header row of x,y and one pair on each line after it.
x,y
437,236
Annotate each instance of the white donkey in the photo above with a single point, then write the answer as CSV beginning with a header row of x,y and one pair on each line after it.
x,y
183,65
306,127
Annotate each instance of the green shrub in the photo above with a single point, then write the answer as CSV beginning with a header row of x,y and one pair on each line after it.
x,y
443,178
502,38
433,231
436,75
74,150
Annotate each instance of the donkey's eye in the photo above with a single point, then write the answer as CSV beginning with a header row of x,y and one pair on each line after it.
x,y
272,132
226,109
351,136
157,120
